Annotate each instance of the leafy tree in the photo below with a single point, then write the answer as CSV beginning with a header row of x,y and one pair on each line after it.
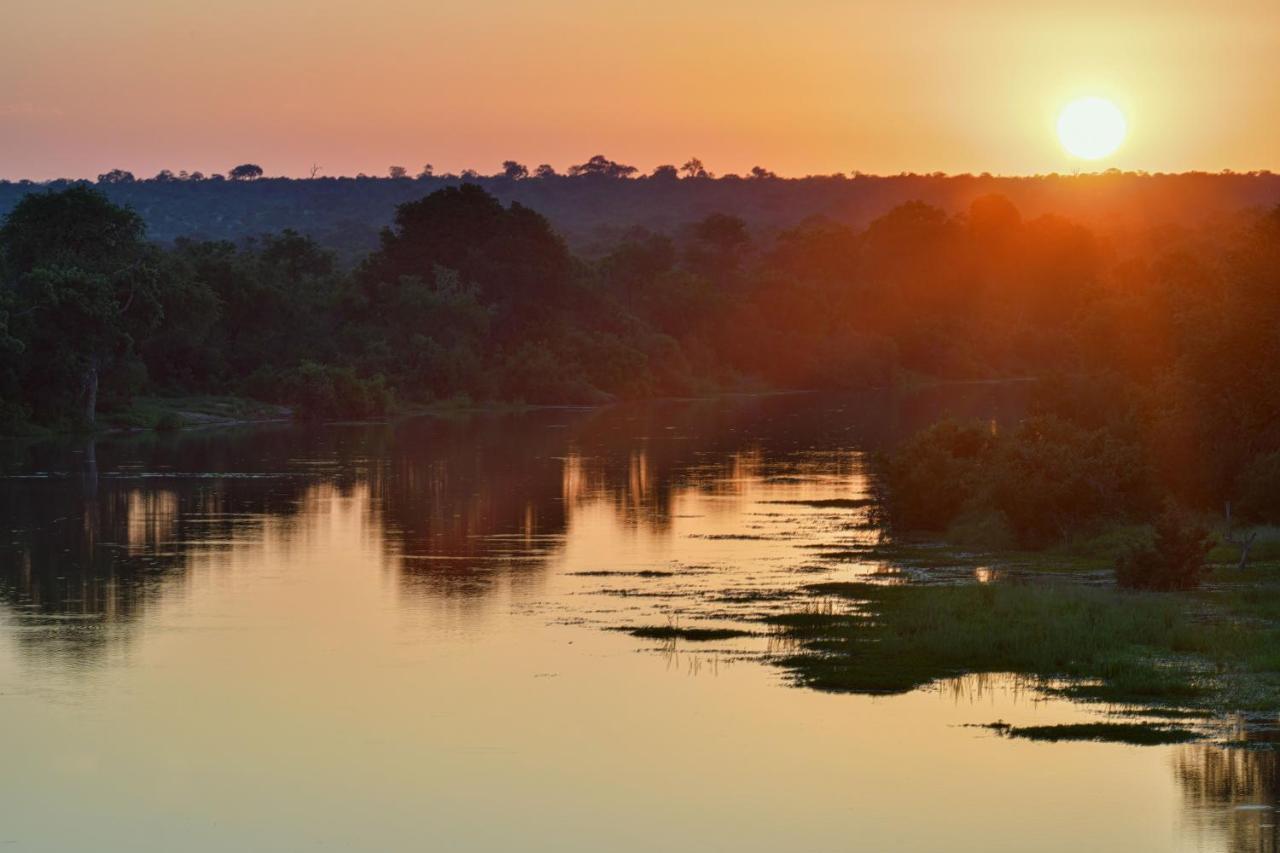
x,y
514,171
693,168
510,254
1174,560
934,475
245,172
397,172
116,176
84,283
602,167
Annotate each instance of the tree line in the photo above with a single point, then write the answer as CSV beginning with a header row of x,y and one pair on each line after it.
x,y
1156,355
593,203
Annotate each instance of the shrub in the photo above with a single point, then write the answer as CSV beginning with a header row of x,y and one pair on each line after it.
x,y
929,480
320,392
1174,559
536,374
1044,481
986,529
168,422
1053,479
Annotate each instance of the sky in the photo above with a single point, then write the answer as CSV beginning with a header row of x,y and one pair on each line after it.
x,y
799,87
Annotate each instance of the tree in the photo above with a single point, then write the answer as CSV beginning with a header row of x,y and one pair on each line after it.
x,y
398,172
116,176
245,172
426,172
693,168
601,166
514,171
510,254
762,174
164,176
723,232
546,170
84,278
1175,558
665,173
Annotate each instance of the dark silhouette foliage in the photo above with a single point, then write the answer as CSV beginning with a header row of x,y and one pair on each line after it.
x,y
1173,560
245,172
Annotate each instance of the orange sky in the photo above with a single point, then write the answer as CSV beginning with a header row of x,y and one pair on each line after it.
x,y
805,86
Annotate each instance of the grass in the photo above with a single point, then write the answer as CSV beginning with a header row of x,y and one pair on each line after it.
x,y
166,413
1136,734
642,573
1088,643
830,503
674,632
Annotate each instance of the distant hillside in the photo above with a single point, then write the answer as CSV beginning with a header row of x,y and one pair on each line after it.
x,y
347,213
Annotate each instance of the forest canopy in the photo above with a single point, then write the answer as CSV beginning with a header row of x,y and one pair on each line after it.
x,y
1149,346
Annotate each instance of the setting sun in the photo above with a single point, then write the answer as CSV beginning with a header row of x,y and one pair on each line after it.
x,y
484,426
1091,128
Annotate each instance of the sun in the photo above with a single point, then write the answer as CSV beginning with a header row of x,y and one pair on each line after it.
x,y
1091,128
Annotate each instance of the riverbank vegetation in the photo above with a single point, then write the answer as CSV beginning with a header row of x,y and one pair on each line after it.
x,y
1185,655
1166,417
465,297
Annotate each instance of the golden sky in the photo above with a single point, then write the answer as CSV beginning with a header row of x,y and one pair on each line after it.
x,y
804,86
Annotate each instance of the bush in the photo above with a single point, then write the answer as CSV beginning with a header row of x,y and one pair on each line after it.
x,y
321,392
1053,479
1044,481
985,529
168,422
930,479
536,374
1174,559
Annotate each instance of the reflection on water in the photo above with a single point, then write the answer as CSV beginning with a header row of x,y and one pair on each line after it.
x,y
376,636
1231,792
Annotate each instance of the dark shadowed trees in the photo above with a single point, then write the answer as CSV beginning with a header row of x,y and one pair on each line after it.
x,y
84,285
514,171
116,176
245,172
601,166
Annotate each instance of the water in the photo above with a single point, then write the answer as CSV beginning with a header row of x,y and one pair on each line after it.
x,y
373,637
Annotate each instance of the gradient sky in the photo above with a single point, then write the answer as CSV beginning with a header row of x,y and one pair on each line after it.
x,y
804,86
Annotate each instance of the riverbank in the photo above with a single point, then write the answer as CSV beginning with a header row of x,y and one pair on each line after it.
x,y
1208,659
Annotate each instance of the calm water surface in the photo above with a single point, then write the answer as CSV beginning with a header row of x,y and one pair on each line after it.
x,y
393,637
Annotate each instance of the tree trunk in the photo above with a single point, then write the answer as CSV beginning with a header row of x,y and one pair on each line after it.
x,y
91,392
1245,545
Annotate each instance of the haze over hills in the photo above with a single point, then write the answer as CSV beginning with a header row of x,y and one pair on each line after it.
x,y
592,208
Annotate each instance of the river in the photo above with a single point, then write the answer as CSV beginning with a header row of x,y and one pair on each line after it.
x,y
401,637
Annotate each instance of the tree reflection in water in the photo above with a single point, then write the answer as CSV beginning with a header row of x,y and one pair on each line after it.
x,y
1231,793
94,530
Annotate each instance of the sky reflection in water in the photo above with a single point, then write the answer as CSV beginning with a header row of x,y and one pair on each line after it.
x,y
390,637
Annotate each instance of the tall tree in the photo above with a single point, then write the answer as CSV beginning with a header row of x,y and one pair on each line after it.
x,y
85,287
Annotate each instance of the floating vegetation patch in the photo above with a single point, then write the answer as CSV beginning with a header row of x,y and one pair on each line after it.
x,y
645,573
1135,734
675,632
829,503
1080,642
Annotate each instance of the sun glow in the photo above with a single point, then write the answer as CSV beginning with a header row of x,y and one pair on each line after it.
x,y
1091,128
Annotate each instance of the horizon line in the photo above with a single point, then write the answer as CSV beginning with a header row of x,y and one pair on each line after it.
x,y
197,177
